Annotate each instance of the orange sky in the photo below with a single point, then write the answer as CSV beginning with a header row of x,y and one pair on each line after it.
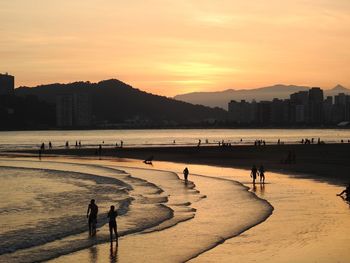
x,y
171,47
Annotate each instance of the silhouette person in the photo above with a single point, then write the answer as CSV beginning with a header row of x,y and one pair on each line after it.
x,y
91,214
186,172
112,214
149,160
262,174
346,191
253,173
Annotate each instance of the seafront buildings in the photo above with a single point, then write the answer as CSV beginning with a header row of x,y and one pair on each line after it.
x,y
303,107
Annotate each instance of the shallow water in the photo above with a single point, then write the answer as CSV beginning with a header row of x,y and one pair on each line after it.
x,y
43,207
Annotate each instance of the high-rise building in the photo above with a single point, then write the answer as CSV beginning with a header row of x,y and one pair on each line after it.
x,y
340,108
64,111
81,110
264,112
327,109
7,84
299,105
316,115
241,112
315,95
73,110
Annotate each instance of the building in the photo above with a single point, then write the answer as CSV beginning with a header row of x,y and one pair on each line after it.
x,y
241,112
327,109
278,113
81,110
64,111
7,84
299,106
73,110
316,115
264,112
303,108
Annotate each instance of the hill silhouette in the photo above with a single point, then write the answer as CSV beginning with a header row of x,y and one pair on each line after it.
x,y
115,102
221,98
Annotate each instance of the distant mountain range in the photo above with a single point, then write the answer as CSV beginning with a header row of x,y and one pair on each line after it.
x,y
113,101
221,98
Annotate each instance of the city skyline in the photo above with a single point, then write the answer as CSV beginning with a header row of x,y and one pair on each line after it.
x,y
174,48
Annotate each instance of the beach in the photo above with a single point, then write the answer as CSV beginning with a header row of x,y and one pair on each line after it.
x,y
326,161
291,216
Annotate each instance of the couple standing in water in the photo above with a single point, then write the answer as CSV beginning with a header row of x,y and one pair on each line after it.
x,y
258,172
91,214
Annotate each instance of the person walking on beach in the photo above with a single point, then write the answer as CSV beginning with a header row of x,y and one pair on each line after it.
x,y
186,172
112,214
262,174
253,173
91,214
346,191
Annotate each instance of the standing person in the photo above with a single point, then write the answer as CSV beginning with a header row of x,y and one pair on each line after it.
x,y
253,173
112,214
91,214
262,174
186,172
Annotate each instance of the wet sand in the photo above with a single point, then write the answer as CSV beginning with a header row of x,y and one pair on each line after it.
x,y
309,223
328,162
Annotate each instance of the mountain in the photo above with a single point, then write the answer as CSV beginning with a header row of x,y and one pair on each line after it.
x,y
221,98
113,101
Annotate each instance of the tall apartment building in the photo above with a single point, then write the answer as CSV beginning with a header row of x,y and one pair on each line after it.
x,y
7,84
242,112
316,105
73,110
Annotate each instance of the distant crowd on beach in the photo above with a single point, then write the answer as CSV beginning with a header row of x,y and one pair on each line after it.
x,y
199,143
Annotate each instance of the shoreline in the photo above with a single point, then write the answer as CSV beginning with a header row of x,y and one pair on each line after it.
x,y
307,236
328,162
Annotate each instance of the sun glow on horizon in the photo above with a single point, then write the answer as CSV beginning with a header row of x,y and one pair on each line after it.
x,y
167,47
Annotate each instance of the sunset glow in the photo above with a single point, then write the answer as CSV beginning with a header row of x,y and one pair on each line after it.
x,y
172,47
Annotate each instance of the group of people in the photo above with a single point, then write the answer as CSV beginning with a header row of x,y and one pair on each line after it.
x,y
91,214
255,172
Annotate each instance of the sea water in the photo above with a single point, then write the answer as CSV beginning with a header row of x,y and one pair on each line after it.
x,y
43,207
156,137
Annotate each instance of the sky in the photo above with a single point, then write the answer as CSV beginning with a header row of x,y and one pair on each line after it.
x,y
172,47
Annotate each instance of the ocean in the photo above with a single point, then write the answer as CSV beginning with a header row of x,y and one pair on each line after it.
x,y
164,137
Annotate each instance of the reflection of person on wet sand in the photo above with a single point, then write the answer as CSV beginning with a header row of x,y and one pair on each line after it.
x,y
346,191
253,173
186,172
113,253
112,214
